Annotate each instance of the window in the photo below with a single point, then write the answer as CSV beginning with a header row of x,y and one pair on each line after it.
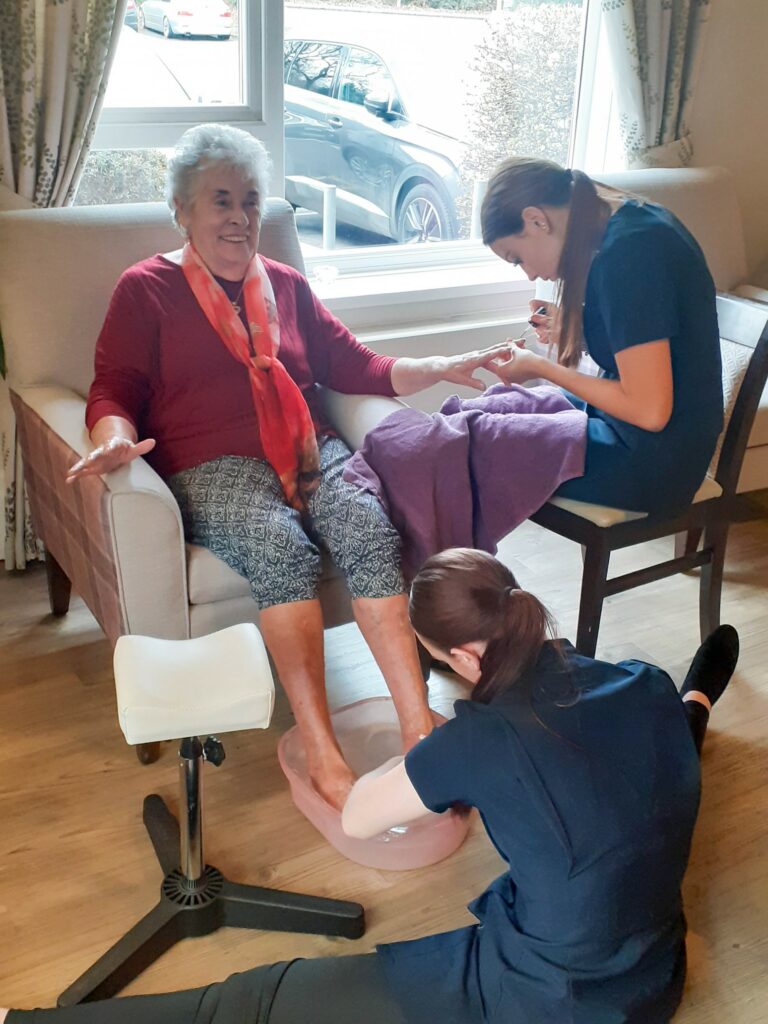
x,y
396,113
415,106
179,62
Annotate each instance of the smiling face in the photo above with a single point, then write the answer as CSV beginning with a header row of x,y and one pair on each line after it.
x,y
222,220
538,247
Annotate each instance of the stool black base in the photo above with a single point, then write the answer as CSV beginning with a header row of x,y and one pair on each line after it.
x,y
188,909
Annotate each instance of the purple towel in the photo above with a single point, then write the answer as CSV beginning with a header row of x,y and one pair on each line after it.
x,y
466,476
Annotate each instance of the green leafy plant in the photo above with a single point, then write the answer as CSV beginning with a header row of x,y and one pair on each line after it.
x,y
521,89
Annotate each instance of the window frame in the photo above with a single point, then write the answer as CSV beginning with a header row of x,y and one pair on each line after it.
x,y
261,112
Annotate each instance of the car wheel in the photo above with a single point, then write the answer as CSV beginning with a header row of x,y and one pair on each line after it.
x,y
423,217
167,30
140,24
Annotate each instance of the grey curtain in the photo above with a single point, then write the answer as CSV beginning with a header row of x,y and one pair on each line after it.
x,y
55,57
656,50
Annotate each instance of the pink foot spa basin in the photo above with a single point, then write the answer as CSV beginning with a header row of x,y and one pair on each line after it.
x,y
369,734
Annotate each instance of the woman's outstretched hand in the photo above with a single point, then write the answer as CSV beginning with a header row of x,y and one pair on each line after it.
x,y
461,369
412,375
113,453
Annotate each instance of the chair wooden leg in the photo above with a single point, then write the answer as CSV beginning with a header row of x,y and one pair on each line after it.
x,y
59,586
596,559
687,543
711,582
148,753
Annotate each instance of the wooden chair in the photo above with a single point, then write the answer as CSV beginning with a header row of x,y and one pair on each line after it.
x,y
601,530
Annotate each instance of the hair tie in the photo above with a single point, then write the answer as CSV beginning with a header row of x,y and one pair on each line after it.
x,y
569,172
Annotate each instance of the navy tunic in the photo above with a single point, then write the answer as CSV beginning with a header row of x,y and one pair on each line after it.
x,y
587,781
648,281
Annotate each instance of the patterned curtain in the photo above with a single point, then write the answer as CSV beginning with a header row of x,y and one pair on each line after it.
x,y
55,56
656,49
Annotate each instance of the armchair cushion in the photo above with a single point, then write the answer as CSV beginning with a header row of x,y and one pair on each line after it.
x,y
212,580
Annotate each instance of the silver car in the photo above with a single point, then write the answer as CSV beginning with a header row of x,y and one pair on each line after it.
x,y
186,17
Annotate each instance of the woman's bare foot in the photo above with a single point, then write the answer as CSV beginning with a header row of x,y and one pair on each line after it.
x,y
333,779
3,1014
334,787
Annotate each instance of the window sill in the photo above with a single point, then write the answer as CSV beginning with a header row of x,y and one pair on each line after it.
x,y
471,292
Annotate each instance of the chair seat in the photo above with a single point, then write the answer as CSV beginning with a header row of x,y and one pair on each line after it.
x,y
167,689
603,515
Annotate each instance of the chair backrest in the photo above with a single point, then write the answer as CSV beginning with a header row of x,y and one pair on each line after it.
x,y
744,348
13,201
704,198
58,268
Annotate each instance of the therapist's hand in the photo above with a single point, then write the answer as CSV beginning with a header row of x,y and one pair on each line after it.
x,y
542,322
113,453
520,367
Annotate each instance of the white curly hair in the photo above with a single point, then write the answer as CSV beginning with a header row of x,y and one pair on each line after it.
x,y
205,146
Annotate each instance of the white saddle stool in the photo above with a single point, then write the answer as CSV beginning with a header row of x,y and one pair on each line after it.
x,y
185,689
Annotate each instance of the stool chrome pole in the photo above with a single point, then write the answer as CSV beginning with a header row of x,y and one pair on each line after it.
x,y
191,808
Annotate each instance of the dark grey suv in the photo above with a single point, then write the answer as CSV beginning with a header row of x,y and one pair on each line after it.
x,y
347,125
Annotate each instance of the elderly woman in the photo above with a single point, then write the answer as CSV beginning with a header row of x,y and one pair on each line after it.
x,y
207,364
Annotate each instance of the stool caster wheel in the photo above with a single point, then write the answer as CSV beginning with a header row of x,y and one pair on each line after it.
x,y
148,753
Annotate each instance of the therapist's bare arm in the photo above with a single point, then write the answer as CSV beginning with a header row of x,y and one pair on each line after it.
x,y
115,444
642,396
380,800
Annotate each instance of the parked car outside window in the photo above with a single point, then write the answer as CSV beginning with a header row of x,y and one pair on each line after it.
x,y
186,17
347,124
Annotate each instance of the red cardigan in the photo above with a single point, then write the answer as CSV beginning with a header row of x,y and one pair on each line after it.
x,y
160,364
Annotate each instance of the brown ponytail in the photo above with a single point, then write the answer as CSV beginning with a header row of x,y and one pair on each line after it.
x,y
462,595
521,182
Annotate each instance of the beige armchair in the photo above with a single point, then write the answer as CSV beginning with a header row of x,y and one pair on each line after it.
x,y
118,540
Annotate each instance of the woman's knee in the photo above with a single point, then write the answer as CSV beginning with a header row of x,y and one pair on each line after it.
x,y
363,543
234,507
284,565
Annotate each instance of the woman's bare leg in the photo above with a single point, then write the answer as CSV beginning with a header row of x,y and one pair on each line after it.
x,y
293,634
384,623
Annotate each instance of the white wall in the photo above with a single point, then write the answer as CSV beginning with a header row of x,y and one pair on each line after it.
x,y
729,121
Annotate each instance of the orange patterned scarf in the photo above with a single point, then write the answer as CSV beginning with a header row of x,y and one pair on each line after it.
x,y
285,423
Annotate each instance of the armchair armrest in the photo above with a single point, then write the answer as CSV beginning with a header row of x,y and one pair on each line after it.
x,y
354,415
119,538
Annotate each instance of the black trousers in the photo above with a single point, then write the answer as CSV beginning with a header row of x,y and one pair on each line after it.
x,y
327,990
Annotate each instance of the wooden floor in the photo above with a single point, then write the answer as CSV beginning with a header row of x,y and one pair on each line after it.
x,y
76,868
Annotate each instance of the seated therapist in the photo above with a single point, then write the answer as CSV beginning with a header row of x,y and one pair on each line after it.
x,y
635,294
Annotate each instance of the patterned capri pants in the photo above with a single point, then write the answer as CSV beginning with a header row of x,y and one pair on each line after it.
x,y
235,507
